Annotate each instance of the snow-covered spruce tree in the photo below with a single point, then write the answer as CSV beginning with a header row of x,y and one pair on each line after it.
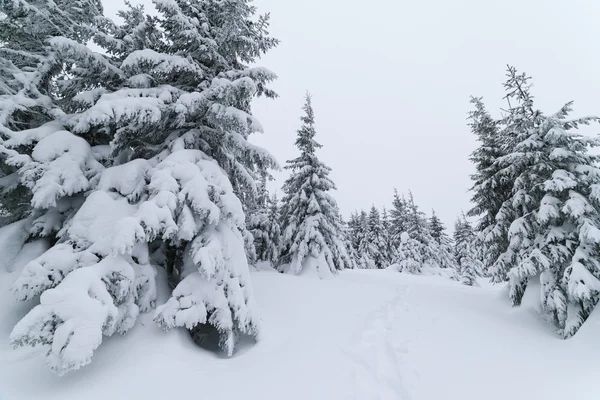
x,y
554,211
417,227
466,256
312,232
349,245
377,238
398,216
366,249
436,227
416,221
519,118
274,230
346,240
387,233
263,223
354,230
409,255
171,120
28,71
490,188
357,230
442,244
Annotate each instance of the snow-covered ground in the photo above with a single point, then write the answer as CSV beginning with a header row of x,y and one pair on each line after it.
x,y
361,335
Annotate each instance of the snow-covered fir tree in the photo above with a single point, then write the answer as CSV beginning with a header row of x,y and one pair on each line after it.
x,y
313,236
442,243
465,252
436,227
29,68
358,236
552,218
387,233
417,227
146,170
354,230
347,240
409,256
376,236
263,223
416,221
398,217
489,189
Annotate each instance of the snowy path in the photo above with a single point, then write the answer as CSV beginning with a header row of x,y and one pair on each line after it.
x,y
381,368
365,335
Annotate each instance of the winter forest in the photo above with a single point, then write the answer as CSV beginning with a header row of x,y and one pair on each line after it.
x,y
134,201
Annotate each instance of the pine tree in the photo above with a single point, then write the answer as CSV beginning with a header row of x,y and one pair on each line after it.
x,y
436,227
409,256
465,252
417,227
442,242
416,221
313,234
551,220
365,247
354,230
398,217
263,223
489,189
29,68
274,231
377,239
387,232
149,172
346,239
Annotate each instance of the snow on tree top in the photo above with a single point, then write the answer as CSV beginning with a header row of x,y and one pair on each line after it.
x,y
404,237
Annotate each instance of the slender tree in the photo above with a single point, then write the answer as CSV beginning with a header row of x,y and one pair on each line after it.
x,y
377,238
313,233
398,218
464,249
442,243
366,249
263,223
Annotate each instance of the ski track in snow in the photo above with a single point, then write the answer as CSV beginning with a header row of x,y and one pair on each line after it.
x,y
381,367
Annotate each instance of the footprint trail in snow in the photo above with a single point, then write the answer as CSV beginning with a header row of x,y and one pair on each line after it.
x,y
381,367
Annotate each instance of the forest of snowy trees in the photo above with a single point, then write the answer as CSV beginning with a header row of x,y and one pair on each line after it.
x,y
133,164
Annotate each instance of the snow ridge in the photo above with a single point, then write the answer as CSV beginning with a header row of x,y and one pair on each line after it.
x,y
381,369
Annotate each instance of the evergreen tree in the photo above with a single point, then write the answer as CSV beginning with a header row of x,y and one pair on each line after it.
x,y
313,233
465,252
349,242
417,227
409,256
387,232
377,239
274,231
416,221
489,189
398,218
263,223
365,247
29,69
442,244
436,227
347,239
147,169
551,220
354,230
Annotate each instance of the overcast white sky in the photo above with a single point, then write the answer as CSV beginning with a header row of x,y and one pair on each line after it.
x,y
391,81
